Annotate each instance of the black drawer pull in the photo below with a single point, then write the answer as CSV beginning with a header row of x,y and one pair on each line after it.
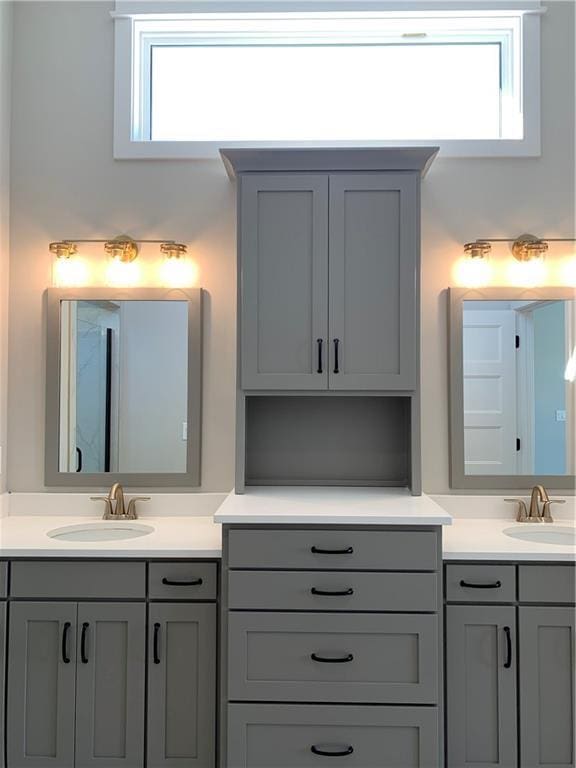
x,y
336,660
192,583
319,342
336,593
490,585
326,753
336,356
83,654
345,551
65,632
508,662
156,638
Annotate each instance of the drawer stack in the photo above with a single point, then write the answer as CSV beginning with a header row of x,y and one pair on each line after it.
x,y
323,624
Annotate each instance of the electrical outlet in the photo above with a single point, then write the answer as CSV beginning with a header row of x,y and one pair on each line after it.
x,y
184,430
560,415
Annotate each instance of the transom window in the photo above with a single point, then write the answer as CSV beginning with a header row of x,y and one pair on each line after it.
x,y
198,80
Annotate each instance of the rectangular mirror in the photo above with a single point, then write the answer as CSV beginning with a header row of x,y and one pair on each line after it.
x,y
123,382
512,403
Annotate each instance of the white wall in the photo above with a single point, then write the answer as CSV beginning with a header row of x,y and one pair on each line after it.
x,y
65,183
5,83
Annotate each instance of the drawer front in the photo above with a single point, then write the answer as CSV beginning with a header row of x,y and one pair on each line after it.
x,y
481,583
331,657
182,581
546,583
78,580
3,579
334,550
284,736
332,591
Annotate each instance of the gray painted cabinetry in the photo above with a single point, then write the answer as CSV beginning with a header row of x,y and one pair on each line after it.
x,y
323,657
78,664
510,666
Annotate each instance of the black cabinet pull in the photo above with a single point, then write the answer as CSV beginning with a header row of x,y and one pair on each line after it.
x,y
65,633
338,753
336,356
191,583
83,654
336,660
508,662
156,643
319,342
78,460
319,551
335,593
490,585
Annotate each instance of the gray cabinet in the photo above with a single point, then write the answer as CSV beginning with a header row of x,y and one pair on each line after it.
x,y
481,686
41,685
110,685
328,292
2,668
547,674
284,280
181,686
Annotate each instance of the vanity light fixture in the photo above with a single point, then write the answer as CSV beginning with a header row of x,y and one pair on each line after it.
x,y
177,270
122,271
69,270
527,270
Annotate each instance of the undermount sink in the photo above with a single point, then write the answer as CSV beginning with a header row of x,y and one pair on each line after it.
x,y
543,533
105,531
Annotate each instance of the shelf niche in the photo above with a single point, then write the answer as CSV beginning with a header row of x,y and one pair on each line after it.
x,y
316,440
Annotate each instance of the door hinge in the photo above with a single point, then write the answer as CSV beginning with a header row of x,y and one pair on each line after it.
x,y
517,341
517,443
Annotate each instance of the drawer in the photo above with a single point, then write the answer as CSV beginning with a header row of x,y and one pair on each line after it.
x,y
481,583
332,591
3,579
282,736
334,550
182,581
78,579
333,657
546,583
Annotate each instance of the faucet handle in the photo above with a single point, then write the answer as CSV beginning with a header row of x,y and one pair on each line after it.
x,y
108,511
131,513
546,516
521,511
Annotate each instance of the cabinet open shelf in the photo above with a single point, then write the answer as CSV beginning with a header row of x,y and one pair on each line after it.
x,y
319,440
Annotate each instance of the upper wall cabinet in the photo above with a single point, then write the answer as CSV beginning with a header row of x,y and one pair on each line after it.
x,y
329,268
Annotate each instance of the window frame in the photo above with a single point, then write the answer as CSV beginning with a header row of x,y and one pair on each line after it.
x,y
131,92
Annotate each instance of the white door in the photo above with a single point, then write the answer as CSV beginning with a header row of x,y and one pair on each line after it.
x,y
489,392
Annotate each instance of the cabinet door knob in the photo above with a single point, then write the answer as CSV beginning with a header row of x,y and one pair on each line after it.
x,y
332,753
319,551
336,356
508,662
333,660
191,583
65,633
333,593
484,585
83,652
156,650
319,342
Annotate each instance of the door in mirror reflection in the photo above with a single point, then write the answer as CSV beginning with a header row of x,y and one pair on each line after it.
x,y
518,405
123,386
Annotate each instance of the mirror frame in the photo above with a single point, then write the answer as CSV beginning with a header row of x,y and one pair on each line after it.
x,y
458,478
52,474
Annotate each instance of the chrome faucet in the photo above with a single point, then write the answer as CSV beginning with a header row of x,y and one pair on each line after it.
x,y
534,514
115,509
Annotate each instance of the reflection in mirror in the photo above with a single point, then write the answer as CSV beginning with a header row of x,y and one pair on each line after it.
x,y
518,406
123,386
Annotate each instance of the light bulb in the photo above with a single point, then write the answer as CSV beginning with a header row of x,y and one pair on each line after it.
x,y
178,272
568,273
527,274
122,273
473,273
70,272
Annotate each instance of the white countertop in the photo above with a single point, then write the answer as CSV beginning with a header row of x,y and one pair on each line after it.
x,y
173,537
331,506
483,539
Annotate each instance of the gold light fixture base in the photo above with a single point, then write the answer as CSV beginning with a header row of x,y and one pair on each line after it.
x,y
173,250
63,249
528,247
122,248
478,250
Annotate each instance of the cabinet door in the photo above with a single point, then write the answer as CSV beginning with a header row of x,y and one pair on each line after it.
x,y
481,686
546,687
110,685
181,686
41,685
284,281
374,247
2,666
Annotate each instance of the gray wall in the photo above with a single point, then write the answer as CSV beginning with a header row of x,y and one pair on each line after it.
x,y
65,183
5,82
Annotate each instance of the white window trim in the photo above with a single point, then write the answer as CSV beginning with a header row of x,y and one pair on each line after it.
x,y
125,147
